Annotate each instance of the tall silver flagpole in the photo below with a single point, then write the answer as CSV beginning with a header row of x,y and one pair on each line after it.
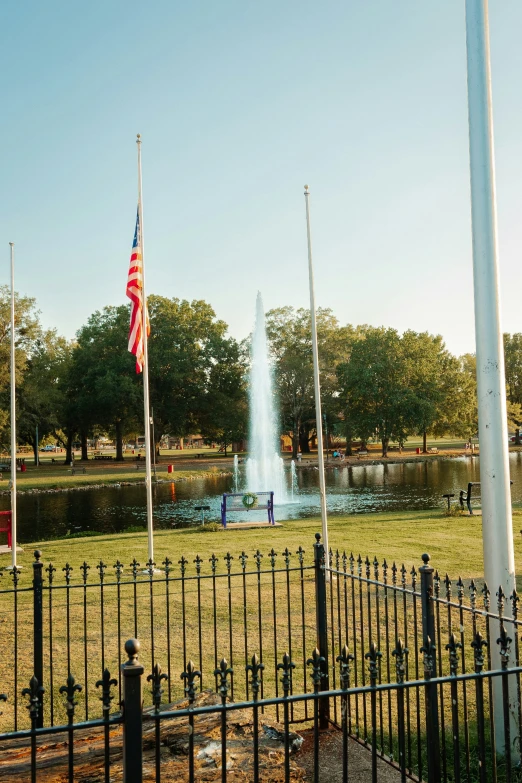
x,y
146,404
497,527
13,416
317,385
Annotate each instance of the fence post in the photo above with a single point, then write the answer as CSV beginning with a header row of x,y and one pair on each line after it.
x,y
38,630
132,715
322,627
430,670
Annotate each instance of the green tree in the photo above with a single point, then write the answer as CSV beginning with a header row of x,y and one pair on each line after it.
x,y
290,337
40,394
513,361
28,331
377,389
104,388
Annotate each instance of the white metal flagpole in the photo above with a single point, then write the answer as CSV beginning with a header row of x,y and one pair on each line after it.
x,y
497,526
13,416
146,404
317,386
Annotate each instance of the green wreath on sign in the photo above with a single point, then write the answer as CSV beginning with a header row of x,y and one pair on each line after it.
x,y
249,500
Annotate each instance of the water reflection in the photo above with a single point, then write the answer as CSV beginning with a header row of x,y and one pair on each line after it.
x,y
356,489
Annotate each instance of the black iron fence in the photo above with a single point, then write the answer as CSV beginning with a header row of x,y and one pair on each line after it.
x,y
402,666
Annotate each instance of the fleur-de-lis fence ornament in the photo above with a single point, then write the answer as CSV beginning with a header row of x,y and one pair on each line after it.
x,y
394,570
316,674
352,561
376,569
156,678
213,561
501,598
106,683
167,565
69,691
223,672
473,595
189,678
228,560
67,569
460,590
150,565
344,660
504,642
344,560
385,571
514,598
374,657
257,557
243,558
453,649
33,692
183,565
447,583
272,555
436,583
485,596
359,566
198,561
478,644
118,567
134,568
255,668
400,654
101,568
413,574
50,570
367,564
300,555
85,568
286,556
404,571
428,651
286,667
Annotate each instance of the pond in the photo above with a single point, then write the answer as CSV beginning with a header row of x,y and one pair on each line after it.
x,y
350,490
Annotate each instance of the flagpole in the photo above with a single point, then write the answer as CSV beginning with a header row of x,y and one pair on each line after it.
x,y
497,522
146,404
317,387
13,416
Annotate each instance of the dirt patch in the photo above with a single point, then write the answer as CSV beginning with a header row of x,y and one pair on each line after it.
x,y
330,760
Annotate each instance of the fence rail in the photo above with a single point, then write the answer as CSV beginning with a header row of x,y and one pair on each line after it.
x,y
400,665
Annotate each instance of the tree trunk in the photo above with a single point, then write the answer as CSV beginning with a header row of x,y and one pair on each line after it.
x,y
35,452
424,442
304,441
517,436
295,438
68,448
119,442
225,445
83,439
385,442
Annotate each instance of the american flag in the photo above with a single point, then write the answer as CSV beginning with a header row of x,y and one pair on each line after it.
x,y
135,294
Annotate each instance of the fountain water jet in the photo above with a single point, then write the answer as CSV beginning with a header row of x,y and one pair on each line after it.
x,y
264,469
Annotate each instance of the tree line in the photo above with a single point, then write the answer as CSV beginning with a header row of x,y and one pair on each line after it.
x,y
376,383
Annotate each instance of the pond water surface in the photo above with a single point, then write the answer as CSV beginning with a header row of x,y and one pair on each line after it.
x,y
350,490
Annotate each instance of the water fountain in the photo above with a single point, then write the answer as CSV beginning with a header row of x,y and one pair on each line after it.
x,y
264,470
293,479
236,473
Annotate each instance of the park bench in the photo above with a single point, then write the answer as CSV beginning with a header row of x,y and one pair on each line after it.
x,y
239,501
466,494
78,470
434,450
103,456
362,453
5,466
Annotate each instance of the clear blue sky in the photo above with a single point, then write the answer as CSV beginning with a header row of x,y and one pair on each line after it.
x,y
240,104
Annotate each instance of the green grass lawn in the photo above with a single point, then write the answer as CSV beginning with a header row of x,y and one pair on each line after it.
x,y
454,543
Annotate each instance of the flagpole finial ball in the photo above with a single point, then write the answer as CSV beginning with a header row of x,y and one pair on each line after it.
x,y
306,190
138,137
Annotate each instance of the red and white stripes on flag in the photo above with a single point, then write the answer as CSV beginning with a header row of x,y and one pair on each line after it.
x,y
135,294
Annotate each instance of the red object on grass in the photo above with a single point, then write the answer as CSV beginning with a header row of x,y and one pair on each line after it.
x,y
6,521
